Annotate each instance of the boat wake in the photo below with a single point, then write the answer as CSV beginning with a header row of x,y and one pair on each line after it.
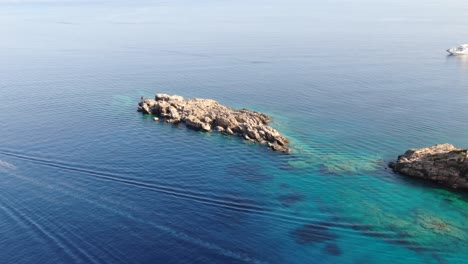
x,y
6,165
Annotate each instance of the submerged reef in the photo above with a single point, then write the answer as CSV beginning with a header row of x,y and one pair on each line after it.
x,y
415,229
335,165
291,199
207,115
332,249
313,233
442,163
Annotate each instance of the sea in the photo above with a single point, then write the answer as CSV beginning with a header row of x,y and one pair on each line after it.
x,y
85,178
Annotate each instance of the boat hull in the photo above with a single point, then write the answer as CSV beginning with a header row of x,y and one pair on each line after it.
x,y
456,52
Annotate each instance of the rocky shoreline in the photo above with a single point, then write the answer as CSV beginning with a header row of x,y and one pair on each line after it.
x,y
208,115
442,163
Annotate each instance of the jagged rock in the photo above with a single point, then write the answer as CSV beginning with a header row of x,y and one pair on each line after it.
x,y
166,97
144,107
174,116
219,128
205,114
193,122
226,122
441,163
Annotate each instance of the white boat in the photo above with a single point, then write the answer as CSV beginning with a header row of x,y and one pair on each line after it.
x,y
460,50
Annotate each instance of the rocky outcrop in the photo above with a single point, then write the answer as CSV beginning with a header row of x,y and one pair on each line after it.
x,y
207,115
441,163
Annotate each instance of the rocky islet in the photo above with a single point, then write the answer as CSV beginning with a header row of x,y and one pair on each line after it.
x,y
208,115
442,163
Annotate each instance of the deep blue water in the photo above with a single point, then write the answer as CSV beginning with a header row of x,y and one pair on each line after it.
x,y
87,179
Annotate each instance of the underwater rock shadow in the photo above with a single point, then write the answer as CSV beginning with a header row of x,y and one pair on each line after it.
x,y
327,208
320,232
313,233
332,249
388,236
290,199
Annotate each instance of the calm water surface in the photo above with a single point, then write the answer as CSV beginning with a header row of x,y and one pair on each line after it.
x,y
87,179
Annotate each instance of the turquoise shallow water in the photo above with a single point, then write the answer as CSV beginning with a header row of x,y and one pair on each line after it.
x,y
353,84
